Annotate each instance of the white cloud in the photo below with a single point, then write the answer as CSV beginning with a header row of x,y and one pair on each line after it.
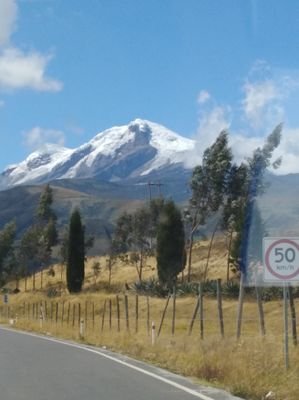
x,y
203,97
19,70
289,151
243,146
211,123
37,137
8,16
262,103
258,97
265,93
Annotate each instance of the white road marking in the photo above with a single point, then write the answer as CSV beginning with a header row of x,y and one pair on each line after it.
x,y
125,363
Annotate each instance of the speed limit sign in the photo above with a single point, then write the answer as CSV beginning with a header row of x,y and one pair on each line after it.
x,y
281,259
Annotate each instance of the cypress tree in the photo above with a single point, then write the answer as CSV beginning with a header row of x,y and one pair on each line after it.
x,y
75,254
171,257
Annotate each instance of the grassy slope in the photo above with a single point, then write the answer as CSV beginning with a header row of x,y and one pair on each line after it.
x,y
249,367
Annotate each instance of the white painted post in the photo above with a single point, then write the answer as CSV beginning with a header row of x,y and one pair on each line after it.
x,y
153,333
41,316
82,328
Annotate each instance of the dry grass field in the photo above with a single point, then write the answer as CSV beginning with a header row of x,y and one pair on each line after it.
x,y
249,367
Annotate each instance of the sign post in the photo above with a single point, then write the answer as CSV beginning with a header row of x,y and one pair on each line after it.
x,y
281,267
286,326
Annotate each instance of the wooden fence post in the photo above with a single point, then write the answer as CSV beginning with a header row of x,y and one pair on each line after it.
x,y
79,313
93,315
148,315
260,310
127,312
46,310
201,317
51,311
74,314
85,313
118,313
110,314
193,316
68,313
240,306
163,315
173,310
219,303
103,316
136,313
62,313
56,313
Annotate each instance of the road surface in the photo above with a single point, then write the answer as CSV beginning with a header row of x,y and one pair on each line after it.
x,y
34,367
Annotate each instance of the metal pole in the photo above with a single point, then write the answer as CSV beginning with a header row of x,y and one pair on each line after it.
x,y
286,328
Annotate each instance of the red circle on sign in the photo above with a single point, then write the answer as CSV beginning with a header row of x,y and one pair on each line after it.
x,y
267,255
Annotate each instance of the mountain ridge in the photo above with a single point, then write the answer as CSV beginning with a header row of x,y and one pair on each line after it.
x,y
121,152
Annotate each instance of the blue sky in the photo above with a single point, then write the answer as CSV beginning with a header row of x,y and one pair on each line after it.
x,y
71,68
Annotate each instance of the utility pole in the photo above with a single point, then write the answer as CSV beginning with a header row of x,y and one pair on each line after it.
x,y
151,185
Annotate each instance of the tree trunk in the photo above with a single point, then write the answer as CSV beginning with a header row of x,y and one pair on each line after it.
x,y
61,271
209,252
139,267
190,256
110,271
228,256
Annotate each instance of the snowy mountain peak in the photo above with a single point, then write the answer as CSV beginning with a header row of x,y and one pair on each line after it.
x,y
117,153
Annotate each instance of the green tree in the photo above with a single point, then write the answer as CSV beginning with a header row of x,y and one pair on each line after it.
x,y
232,210
136,233
171,256
208,186
46,218
241,214
35,248
7,238
31,251
75,254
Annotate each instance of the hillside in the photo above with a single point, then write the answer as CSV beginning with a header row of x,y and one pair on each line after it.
x,y
102,202
99,211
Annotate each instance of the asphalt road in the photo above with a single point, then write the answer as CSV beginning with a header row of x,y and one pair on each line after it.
x,y
41,368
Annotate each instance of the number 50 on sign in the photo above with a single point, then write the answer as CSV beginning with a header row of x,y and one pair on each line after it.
x,y
281,259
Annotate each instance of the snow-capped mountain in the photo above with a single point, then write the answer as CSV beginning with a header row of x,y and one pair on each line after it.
x,y
127,151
